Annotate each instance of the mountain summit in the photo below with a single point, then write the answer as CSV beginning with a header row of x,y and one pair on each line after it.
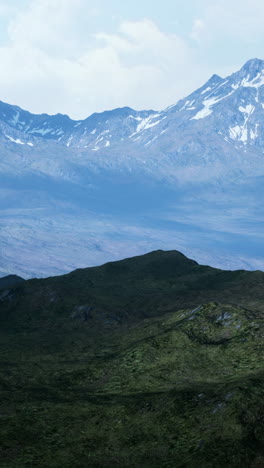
x,y
253,67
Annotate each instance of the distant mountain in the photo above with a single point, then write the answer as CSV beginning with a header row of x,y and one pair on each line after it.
x,y
239,98
124,182
116,125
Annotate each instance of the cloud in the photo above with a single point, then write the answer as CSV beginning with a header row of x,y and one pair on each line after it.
x,y
197,30
46,25
48,66
58,58
241,20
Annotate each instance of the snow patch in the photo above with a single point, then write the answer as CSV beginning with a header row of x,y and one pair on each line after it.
x,y
254,132
41,131
135,118
69,141
208,103
238,133
185,105
17,141
15,119
249,109
151,141
150,125
205,90
255,83
145,124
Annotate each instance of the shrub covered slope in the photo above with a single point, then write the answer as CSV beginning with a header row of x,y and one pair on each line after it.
x,y
151,361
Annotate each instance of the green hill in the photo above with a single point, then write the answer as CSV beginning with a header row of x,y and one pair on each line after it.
x,y
150,361
10,281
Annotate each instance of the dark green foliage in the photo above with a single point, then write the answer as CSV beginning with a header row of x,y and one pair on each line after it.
x,y
152,361
10,281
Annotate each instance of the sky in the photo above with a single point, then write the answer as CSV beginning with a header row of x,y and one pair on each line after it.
x,y
77,57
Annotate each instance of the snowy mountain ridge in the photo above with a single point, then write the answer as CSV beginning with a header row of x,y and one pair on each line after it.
x,y
239,97
125,182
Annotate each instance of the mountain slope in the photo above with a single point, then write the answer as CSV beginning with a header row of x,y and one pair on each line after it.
x,y
133,289
115,125
10,281
239,98
124,182
131,364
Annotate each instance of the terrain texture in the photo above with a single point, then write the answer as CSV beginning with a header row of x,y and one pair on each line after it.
x,y
150,361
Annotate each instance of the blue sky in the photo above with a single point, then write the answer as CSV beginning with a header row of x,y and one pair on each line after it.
x,y
81,56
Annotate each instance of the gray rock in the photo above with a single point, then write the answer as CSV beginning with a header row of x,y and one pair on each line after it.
x,y
82,313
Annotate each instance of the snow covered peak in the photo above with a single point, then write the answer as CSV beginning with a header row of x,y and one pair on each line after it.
x,y
232,107
250,75
253,66
98,131
214,81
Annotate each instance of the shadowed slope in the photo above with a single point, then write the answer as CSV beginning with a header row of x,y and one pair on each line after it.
x,y
135,288
150,361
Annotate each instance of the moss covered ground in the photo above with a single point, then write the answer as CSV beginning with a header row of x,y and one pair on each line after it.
x,y
152,361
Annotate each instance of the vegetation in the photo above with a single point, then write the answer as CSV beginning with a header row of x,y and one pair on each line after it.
x,y
151,361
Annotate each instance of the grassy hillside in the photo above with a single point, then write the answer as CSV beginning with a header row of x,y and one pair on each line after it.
x,y
151,361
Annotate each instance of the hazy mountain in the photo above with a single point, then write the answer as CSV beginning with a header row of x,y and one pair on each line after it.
x,y
123,182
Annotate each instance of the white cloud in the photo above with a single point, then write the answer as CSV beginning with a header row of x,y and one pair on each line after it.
x,y
197,30
228,33
240,19
46,25
54,61
46,66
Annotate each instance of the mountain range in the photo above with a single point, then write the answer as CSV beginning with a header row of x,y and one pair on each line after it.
x,y
123,182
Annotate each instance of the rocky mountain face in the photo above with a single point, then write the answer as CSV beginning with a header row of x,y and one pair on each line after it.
x,y
190,177
232,107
